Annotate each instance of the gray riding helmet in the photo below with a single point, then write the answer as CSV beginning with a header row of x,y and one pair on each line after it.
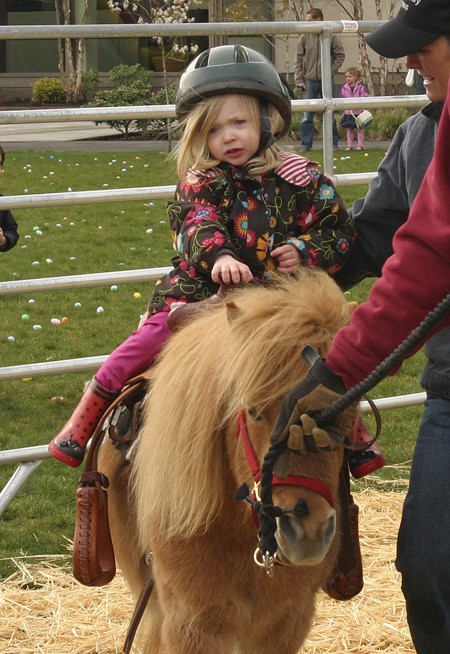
x,y
234,69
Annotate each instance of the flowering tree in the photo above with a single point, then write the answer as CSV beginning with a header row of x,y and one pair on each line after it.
x,y
159,11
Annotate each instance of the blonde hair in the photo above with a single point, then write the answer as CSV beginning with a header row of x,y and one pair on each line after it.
x,y
353,71
192,150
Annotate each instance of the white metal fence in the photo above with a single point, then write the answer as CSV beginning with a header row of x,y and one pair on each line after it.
x,y
28,459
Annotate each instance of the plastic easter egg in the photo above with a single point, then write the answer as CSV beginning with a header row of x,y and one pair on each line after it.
x,y
25,317
37,328
100,310
65,320
114,288
137,296
55,321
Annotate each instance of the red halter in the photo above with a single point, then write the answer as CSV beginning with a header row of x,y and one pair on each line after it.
x,y
291,480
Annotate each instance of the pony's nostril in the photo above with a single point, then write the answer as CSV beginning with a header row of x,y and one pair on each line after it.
x,y
330,528
301,508
287,527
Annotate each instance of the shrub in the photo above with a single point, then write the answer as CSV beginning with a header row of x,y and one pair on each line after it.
x,y
124,75
158,129
48,90
132,87
386,121
5,100
89,83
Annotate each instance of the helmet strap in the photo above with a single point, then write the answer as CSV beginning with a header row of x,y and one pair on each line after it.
x,y
267,137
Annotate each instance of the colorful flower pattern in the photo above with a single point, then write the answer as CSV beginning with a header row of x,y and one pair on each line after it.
x,y
227,210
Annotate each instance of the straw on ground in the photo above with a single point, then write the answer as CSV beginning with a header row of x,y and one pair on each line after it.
x,y
45,611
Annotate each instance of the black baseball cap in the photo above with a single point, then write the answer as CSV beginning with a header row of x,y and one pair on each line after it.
x,y
418,23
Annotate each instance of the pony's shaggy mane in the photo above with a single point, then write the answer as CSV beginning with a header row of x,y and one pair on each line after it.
x,y
245,350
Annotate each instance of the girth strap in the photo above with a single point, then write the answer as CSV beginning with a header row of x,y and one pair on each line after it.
x,y
139,609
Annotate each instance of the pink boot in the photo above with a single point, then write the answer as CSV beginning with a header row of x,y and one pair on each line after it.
x,y
360,139
363,462
69,446
350,138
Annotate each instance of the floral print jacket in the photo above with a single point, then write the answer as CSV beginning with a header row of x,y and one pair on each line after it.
x,y
226,210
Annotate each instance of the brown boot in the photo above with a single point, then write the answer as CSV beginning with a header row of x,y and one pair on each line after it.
x,y
363,462
69,446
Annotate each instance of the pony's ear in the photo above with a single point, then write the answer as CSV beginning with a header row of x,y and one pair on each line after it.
x,y
351,306
233,311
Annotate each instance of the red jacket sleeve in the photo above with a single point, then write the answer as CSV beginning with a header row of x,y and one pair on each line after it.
x,y
414,279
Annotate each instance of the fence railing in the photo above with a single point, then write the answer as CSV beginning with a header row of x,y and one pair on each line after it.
x,y
28,459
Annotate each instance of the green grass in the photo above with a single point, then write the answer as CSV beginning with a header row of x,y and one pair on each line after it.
x,y
103,237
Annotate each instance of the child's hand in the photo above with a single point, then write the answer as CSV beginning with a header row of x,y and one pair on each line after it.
x,y
2,238
288,258
228,270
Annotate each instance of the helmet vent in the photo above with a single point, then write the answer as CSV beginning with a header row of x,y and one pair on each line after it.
x,y
240,54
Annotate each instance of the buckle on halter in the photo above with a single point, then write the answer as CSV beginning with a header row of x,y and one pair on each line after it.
x,y
265,561
256,490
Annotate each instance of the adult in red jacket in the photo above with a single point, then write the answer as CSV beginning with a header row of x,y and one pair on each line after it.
x,y
414,280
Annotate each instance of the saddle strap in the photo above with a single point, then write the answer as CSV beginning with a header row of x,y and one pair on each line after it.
x,y
93,551
347,579
139,609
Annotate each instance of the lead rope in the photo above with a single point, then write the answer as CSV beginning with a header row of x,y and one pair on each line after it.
x,y
268,542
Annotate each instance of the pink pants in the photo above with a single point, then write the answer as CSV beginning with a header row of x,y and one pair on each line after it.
x,y
134,355
351,137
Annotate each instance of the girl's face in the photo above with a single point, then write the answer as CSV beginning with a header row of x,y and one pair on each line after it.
x,y
233,138
350,79
433,63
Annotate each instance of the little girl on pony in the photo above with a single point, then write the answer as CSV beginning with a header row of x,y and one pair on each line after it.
x,y
243,207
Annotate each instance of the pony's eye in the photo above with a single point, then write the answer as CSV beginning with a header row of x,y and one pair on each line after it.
x,y
254,415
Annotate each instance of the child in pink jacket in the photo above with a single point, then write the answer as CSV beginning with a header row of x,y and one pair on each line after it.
x,y
353,88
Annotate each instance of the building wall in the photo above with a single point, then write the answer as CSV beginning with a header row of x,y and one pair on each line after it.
x,y
24,61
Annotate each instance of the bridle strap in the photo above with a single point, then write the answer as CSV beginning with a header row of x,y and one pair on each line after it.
x,y
249,450
306,482
291,480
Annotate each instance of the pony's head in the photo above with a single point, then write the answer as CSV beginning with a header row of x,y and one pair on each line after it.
x,y
242,355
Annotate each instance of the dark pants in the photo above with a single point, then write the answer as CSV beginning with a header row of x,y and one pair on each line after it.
x,y
313,90
423,556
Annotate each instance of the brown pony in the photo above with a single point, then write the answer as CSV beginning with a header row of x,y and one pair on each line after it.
x,y
240,357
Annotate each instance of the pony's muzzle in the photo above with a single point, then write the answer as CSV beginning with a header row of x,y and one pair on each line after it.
x,y
304,541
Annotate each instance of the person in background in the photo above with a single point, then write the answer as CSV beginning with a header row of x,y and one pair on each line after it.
x,y
353,88
308,75
243,207
413,281
8,226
